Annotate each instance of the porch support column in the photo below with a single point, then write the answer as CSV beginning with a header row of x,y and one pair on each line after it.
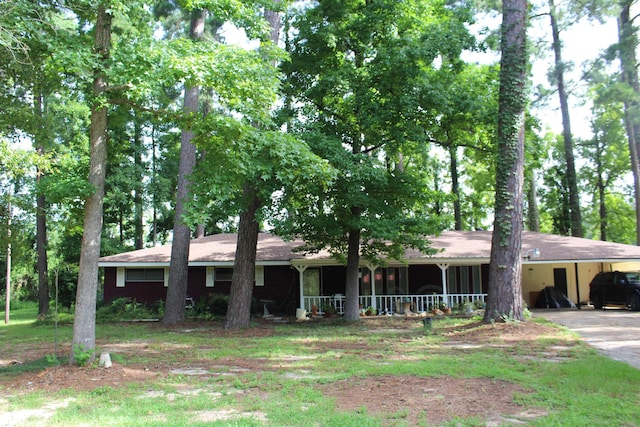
x,y
372,268
443,268
577,287
301,269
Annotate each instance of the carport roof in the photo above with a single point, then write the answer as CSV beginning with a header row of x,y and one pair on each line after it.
x,y
456,247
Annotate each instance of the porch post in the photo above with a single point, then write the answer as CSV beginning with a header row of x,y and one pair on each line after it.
x,y
577,286
443,268
301,269
372,269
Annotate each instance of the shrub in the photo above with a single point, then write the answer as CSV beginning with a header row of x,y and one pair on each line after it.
x,y
211,305
125,309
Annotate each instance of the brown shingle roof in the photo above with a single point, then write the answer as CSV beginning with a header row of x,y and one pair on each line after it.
x,y
553,248
219,248
458,246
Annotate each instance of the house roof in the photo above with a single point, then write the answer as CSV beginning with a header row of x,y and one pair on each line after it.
x,y
456,247
217,248
470,245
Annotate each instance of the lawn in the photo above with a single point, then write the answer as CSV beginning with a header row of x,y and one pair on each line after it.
x,y
378,372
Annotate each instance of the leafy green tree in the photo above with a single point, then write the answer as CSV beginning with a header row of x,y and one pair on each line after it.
x,y
620,224
248,161
607,152
556,217
559,76
179,267
626,49
466,124
359,80
84,322
16,214
239,308
13,26
505,291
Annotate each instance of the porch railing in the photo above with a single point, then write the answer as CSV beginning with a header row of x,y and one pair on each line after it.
x,y
391,304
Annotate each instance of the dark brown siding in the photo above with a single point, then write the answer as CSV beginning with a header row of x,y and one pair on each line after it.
x,y
146,292
196,283
281,285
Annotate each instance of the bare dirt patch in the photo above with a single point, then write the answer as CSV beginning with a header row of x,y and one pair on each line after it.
x,y
406,399
504,332
413,399
78,378
435,400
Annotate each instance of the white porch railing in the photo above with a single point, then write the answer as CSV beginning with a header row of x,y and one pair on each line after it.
x,y
393,303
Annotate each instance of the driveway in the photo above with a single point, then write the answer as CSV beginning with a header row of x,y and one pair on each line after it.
x,y
614,332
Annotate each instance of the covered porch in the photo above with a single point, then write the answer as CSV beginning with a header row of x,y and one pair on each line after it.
x,y
394,304
392,290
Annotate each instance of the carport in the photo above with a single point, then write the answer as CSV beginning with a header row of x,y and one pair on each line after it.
x,y
569,264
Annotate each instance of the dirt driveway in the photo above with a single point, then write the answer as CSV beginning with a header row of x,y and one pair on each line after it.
x,y
614,332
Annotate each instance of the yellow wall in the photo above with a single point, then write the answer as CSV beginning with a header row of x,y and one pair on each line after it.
x,y
624,266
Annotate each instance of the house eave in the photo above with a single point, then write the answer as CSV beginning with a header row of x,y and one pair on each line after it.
x,y
230,263
148,264
145,264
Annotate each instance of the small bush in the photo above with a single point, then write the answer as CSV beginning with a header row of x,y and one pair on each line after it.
x,y
82,355
125,309
210,306
60,319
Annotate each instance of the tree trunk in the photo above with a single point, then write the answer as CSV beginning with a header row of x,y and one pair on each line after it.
x,y
138,188
628,43
273,18
84,325
533,214
239,310
154,200
572,180
179,267
41,248
602,206
41,221
505,292
455,186
352,291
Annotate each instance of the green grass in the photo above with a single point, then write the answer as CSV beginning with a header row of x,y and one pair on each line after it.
x,y
274,375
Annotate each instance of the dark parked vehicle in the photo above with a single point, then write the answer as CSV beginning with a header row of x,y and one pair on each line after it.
x,y
615,288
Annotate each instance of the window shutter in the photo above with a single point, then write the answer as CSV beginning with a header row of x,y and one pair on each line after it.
x,y
120,277
259,275
166,277
209,282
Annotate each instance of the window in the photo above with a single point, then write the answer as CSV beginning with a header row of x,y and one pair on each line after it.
x,y
477,279
464,279
311,281
145,275
223,274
